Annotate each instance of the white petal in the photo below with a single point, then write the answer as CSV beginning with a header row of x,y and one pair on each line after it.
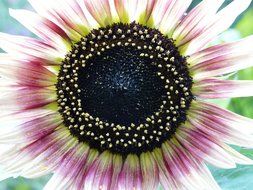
x,y
237,157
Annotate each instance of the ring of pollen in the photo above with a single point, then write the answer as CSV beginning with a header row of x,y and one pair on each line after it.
x,y
124,88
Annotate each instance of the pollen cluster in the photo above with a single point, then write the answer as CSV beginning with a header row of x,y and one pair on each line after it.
x,y
124,88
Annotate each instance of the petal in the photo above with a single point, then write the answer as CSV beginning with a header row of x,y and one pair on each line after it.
x,y
117,163
206,127
23,98
237,157
30,130
23,155
222,59
134,10
204,147
80,182
165,174
174,13
30,73
163,10
43,28
130,176
220,22
196,21
103,11
216,88
99,175
223,124
69,168
48,153
66,14
149,170
187,171
30,47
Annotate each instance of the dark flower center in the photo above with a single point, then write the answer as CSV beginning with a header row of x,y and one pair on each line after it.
x,y
124,88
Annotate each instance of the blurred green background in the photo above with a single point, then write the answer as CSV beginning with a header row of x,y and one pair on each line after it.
x,y
240,178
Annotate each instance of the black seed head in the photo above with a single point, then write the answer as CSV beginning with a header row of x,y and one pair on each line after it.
x,y
124,88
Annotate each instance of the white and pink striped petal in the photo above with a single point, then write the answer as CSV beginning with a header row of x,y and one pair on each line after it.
x,y
43,28
22,155
130,176
150,171
204,147
196,21
222,59
166,14
173,15
220,22
30,48
217,88
71,164
27,73
103,11
188,172
66,14
99,175
223,124
134,10
17,98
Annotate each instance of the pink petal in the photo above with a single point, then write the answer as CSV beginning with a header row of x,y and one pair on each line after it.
x,y
30,73
130,176
117,163
177,166
163,10
80,182
221,22
43,28
222,59
196,21
31,130
217,88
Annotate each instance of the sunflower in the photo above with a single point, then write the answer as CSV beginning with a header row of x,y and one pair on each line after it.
x,y
114,94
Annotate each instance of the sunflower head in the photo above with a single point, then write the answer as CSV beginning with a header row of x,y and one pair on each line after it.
x,y
114,94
